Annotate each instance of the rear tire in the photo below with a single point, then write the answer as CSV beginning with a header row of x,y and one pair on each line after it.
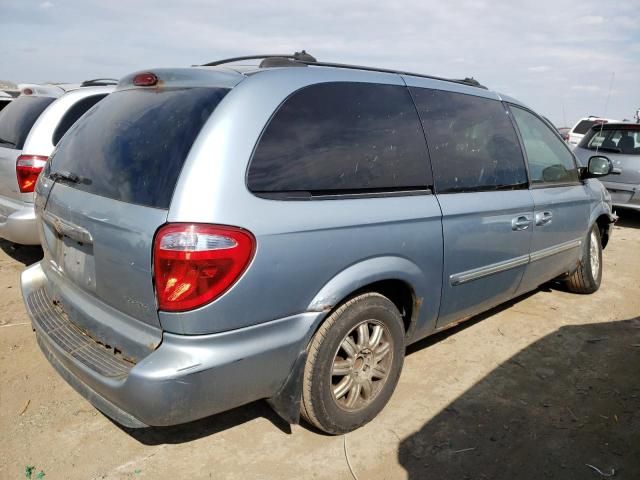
x,y
354,363
588,275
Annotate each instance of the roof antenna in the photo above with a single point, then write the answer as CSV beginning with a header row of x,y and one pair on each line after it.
x,y
606,106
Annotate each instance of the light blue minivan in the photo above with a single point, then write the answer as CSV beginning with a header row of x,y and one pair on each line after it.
x,y
221,234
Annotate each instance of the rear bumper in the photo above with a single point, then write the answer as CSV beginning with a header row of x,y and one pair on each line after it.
x,y
18,222
625,195
184,379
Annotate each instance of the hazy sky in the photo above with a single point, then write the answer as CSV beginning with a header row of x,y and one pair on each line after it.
x,y
557,56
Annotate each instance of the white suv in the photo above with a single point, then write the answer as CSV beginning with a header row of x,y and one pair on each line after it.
x,y
30,127
584,124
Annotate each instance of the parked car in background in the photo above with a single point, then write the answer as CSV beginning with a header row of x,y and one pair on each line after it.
x,y
621,143
583,125
218,235
30,128
5,99
564,133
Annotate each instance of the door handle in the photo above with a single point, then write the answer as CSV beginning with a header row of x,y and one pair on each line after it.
x,y
543,218
520,223
67,229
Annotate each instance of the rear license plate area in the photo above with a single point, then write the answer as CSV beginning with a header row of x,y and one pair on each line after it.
x,y
77,263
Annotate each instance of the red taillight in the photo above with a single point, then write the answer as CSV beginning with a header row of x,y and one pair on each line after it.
x,y
195,263
28,167
27,91
147,79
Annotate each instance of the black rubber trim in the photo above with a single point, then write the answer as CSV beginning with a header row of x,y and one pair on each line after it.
x,y
344,194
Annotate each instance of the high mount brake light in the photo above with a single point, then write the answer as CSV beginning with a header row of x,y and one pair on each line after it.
x,y
146,79
196,263
28,167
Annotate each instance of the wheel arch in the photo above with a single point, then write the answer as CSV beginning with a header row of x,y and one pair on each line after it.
x,y
396,278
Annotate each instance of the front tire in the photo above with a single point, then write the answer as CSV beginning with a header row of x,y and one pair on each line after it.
x,y
588,275
354,363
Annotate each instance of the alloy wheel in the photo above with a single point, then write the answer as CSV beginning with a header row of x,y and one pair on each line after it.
x,y
361,365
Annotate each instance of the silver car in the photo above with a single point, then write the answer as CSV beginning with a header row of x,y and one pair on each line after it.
x,y
218,235
30,127
620,142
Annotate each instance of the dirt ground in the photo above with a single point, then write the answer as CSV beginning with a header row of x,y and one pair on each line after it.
x,y
537,389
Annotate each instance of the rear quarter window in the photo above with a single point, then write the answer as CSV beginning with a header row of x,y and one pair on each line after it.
x,y
18,117
132,146
341,138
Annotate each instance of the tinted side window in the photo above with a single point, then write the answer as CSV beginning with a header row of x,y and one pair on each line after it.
x,y
342,137
472,142
73,114
18,117
549,159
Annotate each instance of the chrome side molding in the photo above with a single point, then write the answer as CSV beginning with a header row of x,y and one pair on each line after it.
x,y
476,273
561,247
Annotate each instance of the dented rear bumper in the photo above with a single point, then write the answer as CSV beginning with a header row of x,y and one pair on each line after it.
x,y
185,378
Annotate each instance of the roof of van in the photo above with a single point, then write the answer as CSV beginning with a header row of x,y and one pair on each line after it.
x,y
304,59
229,72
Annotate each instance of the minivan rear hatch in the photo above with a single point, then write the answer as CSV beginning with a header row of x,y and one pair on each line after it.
x,y
103,195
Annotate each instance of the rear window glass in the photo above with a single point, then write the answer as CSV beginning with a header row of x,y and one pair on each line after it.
x,y
583,126
625,141
472,142
3,103
341,138
132,146
73,114
18,117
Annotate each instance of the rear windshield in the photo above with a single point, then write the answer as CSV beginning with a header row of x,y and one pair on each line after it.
x,y
4,103
17,119
131,146
625,140
584,126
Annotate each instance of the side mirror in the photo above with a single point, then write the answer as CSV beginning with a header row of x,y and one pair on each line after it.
x,y
598,166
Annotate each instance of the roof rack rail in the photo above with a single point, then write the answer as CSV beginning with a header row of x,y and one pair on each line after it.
x,y
99,82
297,56
305,59
467,81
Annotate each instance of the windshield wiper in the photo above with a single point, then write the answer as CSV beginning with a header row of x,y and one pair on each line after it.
x,y
7,142
66,176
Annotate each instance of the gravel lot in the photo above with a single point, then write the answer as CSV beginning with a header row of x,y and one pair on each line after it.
x,y
535,389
